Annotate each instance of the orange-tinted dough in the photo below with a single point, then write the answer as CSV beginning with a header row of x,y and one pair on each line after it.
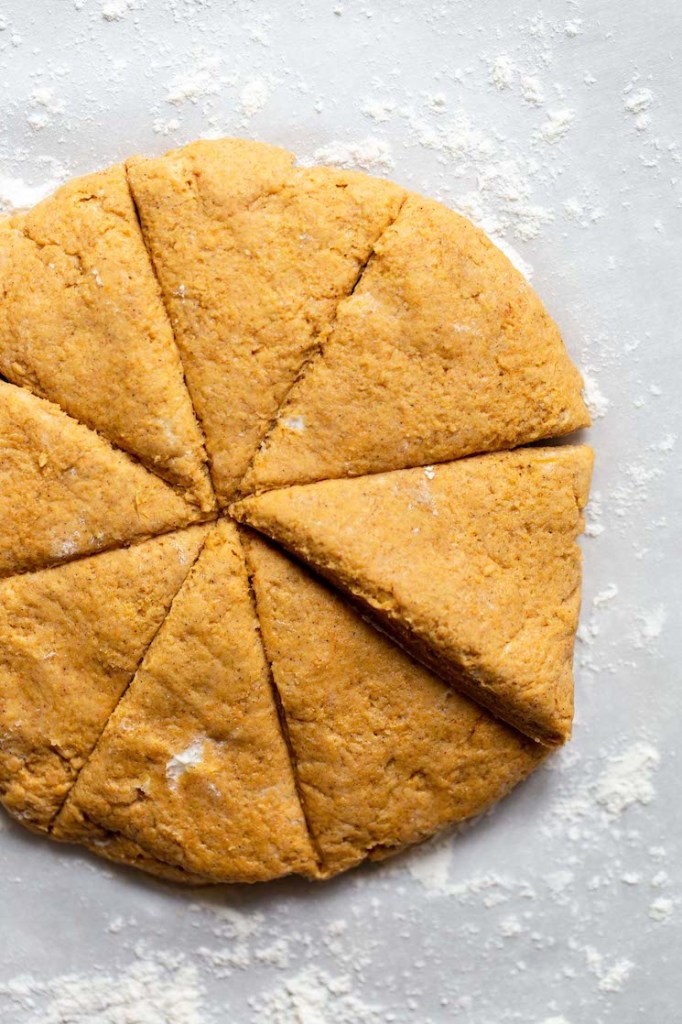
x,y
473,565
71,639
64,491
82,324
442,350
192,765
253,256
386,753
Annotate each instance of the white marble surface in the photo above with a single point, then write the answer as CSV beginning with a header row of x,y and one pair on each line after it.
x,y
556,125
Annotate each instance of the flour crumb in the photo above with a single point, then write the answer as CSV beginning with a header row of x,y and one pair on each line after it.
x,y
116,10
573,27
253,96
637,103
661,909
501,72
378,110
295,423
370,154
163,990
628,779
613,978
649,627
532,91
605,595
595,400
187,758
557,125
312,996
201,81
44,105
430,865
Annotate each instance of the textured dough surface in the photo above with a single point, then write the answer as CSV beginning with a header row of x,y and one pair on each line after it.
x,y
253,256
473,565
82,324
192,765
442,350
386,753
216,324
71,639
120,850
64,491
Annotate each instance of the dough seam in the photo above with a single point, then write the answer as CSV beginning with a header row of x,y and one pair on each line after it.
x,y
316,351
479,691
156,471
162,299
181,492
279,706
116,546
133,676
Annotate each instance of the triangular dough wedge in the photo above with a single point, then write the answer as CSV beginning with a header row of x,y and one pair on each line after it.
x,y
253,256
385,752
71,639
473,565
64,491
442,350
193,766
83,325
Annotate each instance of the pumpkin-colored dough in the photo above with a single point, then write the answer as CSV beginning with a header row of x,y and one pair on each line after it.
x,y
82,324
442,350
253,256
472,565
121,850
385,752
64,491
192,765
71,639
218,337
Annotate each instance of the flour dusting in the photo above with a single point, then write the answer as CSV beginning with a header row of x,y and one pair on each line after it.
x,y
628,779
558,137
190,757
148,992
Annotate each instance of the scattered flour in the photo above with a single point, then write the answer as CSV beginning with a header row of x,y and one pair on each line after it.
x,y
611,977
116,10
595,400
532,90
16,195
502,72
628,779
295,423
254,96
312,996
430,866
378,110
605,595
637,103
148,992
557,125
649,626
187,758
662,909
369,154
202,79
44,105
